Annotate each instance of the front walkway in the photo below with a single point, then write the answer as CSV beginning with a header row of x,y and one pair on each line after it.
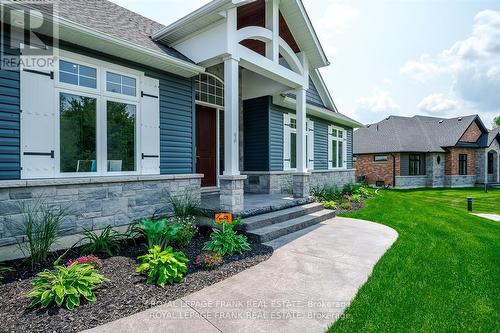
x,y
303,287
492,217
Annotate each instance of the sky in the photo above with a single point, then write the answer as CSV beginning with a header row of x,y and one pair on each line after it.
x,y
439,58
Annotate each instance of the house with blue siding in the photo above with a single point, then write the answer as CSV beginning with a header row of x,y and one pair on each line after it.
x,y
227,99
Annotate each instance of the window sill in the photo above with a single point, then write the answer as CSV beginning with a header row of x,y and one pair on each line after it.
x,y
92,180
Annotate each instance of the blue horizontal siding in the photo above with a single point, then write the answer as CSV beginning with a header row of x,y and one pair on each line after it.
x,y
256,143
276,137
177,112
10,133
320,145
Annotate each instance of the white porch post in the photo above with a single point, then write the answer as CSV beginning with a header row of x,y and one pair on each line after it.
x,y
231,118
301,130
273,24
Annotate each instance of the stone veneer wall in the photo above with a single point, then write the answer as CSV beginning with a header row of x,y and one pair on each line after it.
x,y
281,182
460,181
92,203
411,181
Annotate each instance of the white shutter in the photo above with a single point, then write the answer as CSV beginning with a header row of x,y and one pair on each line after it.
x,y
310,144
37,125
286,142
150,126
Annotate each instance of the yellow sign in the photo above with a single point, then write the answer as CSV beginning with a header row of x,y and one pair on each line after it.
x,y
224,218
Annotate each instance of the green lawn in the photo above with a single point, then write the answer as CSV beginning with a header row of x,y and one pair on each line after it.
x,y
443,272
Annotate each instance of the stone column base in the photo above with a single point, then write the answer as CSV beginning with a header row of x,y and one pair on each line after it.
x,y
231,193
301,185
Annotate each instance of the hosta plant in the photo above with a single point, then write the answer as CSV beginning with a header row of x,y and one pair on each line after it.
x,y
330,205
226,241
346,206
158,232
65,285
90,259
163,266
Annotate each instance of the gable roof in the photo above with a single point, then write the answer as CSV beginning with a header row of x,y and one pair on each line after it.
x,y
494,133
109,28
293,12
415,134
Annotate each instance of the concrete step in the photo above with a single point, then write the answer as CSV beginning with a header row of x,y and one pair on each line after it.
x,y
273,231
262,220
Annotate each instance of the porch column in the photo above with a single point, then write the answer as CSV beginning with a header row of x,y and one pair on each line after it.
x,y
301,178
272,23
231,182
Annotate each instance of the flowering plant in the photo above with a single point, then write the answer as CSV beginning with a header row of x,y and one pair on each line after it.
x,y
208,260
90,259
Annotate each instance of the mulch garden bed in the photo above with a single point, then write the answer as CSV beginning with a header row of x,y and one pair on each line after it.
x,y
355,206
126,292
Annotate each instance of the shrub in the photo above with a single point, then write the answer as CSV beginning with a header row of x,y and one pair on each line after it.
x,y
325,193
108,241
90,260
41,224
158,232
330,205
185,205
346,205
186,231
364,192
164,266
208,260
65,285
351,188
226,241
3,270
356,198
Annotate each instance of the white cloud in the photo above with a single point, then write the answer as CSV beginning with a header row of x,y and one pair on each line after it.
x,y
423,69
438,104
337,17
376,106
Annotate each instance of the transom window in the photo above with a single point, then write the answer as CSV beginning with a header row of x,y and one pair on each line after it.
x,y
210,89
380,158
120,84
76,74
337,150
97,132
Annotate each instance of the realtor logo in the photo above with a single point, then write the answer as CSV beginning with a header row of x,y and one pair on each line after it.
x,y
28,35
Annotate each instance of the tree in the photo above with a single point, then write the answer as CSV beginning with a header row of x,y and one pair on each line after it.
x,y
496,121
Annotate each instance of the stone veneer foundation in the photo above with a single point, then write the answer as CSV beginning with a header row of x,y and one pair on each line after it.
x,y
92,203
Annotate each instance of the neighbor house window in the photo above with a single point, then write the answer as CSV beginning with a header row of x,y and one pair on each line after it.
x,y
76,74
120,84
414,169
97,132
290,142
337,149
490,163
462,164
380,158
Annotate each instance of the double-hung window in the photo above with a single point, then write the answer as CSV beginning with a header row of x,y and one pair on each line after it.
x,y
290,142
98,120
337,150
462,164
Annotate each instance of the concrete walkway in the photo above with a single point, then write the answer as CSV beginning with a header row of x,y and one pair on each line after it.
x,y
492,217
304,287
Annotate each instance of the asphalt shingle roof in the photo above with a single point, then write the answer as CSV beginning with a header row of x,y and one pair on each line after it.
x,y
415,134
111,19
493,134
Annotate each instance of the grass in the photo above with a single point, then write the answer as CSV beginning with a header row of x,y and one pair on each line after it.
x,y
443,272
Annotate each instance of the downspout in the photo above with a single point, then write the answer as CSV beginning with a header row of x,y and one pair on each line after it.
x,y
393,170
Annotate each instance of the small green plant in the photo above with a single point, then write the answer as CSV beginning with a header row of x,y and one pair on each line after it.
x,y
163,266
208,260
187,231
330,205
346,206
184,205
158,232
351,188
326,193
107,241
226,241
3,270
90,260
65,285
41,223
356,198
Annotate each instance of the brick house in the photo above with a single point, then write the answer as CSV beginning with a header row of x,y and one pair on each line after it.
x,y
425,151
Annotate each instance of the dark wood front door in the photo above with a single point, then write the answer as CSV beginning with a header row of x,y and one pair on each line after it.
x,y
206,129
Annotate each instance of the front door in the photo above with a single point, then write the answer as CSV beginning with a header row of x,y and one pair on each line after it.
x,y
206,144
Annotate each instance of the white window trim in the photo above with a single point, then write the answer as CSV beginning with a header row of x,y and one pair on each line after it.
x,y
331,139
287,131
102,96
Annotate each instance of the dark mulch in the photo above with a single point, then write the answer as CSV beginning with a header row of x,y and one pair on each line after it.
x,y
126,292
355,206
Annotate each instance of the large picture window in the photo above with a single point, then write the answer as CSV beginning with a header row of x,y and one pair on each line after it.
x,y
336,148
121,136
462,164
78,133
290,142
